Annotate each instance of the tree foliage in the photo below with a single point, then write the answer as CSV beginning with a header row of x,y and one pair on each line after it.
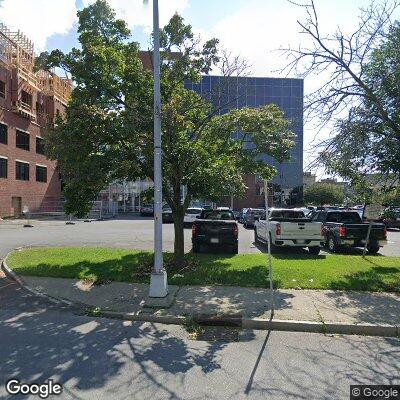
x,y
320,194
107,132
359,75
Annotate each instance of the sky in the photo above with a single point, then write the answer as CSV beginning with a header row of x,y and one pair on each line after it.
x,y
253,29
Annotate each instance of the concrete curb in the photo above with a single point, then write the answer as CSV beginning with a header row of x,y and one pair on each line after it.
x,y
220,320
319,327
12,275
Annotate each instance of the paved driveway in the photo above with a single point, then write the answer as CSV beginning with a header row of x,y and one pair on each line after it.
x,y
96,358
134,233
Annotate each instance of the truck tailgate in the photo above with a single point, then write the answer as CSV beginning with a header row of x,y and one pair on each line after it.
x,y
300,230
218,228
359,231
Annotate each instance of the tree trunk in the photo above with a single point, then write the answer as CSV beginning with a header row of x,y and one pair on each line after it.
x,y
179,243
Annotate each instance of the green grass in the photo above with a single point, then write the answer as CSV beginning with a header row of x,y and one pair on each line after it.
x,y
375,273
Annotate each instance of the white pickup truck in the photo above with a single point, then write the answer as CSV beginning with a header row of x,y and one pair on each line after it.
x,y
289,227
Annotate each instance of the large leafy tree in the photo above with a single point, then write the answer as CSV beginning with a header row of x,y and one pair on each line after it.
x,y
107,132
320,194
368,140
356,90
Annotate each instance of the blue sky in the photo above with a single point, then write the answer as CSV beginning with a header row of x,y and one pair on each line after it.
x,y
253,29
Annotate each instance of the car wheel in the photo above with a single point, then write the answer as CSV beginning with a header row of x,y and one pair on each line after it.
x,y
235,249
314,250
373,249
331,244
196,248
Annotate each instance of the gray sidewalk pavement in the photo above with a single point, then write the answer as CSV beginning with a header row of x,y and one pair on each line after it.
x,y
297,305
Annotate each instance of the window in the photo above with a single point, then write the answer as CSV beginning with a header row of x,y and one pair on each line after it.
x,y
22,171
26,98
2,89
39,108
3,134
39,145
41,173
22,140
3,167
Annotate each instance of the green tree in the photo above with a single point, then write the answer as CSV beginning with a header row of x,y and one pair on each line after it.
x,y
368,140
362,70
319,194
107,132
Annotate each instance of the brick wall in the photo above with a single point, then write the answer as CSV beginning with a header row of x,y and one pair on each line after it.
x,y
32,193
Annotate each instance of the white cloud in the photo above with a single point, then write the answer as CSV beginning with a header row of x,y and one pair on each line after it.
x,y
39,19
135,13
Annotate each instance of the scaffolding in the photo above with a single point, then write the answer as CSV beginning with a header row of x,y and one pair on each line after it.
x,y
17,54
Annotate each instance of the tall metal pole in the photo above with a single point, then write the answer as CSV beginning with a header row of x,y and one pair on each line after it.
x,y
268,226
158,280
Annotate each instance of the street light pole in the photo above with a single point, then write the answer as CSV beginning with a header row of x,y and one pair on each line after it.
x,y
158,279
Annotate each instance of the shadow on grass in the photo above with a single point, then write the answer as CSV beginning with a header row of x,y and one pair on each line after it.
x,y
290,253
375,279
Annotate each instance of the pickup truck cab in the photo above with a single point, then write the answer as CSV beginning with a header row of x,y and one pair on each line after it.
x,y
215,228
345,228
289,228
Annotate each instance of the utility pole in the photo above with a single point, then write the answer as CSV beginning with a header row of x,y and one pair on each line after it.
x,y
269,263
158,279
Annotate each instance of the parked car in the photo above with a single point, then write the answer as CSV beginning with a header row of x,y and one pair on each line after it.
x,y
167,214
242,213
345,228
251,216
215,228
147,210
391,218
307,212
289,228
191,214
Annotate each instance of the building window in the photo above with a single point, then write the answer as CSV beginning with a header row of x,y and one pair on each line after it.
x,y
39,145
22,171
41,173
22,141
3,167
26,98
3,134
2,89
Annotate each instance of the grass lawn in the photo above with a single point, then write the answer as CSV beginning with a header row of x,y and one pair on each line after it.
x,y
375,273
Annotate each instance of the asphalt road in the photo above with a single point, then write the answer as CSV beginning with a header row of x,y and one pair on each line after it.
x,y
110,359
134,233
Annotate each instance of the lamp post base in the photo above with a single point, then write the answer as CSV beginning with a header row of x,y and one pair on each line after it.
x,y
158,284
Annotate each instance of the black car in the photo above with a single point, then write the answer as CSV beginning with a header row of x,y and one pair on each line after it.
x,y
167,214
147,210
215,229
345,228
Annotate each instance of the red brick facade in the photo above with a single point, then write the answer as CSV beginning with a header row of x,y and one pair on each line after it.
x,y
28,104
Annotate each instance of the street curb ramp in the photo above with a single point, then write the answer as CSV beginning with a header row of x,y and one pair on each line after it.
x,y
235,320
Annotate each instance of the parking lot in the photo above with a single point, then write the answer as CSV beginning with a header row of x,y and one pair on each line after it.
x,y
130,232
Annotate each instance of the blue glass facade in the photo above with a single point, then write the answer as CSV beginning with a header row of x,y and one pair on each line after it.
x,y
237,92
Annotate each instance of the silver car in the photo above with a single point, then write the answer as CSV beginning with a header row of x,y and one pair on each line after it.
x,y
251,216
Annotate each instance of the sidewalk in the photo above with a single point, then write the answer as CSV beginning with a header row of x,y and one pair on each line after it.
x,y
323,306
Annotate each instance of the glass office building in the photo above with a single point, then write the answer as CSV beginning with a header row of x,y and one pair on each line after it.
x,y
228,93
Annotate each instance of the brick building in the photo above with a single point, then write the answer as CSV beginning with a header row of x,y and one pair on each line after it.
x,y
29,102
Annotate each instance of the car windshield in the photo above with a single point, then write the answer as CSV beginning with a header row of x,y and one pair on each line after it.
x,y
287,214
218,214
258,212
193,211
344,217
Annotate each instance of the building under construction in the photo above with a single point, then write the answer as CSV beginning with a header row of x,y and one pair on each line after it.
x,y
29,103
